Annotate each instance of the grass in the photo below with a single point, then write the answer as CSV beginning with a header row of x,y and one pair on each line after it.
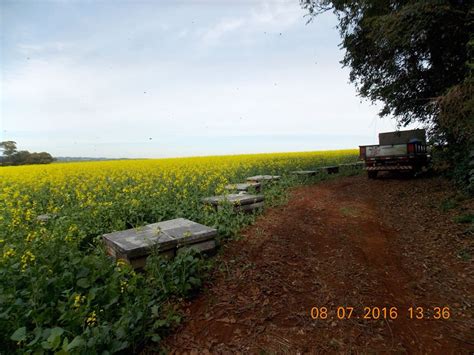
x,y
464,218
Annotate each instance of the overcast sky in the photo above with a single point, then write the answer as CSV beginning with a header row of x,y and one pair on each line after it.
x,y
167,78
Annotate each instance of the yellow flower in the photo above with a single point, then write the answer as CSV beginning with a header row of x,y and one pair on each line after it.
x,y
91,319
30,237
26,258
9,252
78,299
28,215
121,262
123,286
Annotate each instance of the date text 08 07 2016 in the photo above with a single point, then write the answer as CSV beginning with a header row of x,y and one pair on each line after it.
x,y
373,312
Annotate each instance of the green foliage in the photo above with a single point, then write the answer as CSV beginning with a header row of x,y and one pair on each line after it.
x,y
178,278
453,132
449,204
88,304
465,218
465,254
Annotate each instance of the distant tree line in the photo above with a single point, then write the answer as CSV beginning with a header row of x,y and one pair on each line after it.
x,y
11,156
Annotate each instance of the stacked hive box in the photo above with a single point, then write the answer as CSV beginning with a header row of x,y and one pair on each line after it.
x,y
167,238
244,187
263,178
331,169
240,202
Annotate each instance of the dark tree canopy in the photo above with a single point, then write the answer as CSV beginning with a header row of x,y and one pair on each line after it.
x,y
13,157
416,58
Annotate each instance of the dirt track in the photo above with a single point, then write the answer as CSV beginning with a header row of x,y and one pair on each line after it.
x,y
348,242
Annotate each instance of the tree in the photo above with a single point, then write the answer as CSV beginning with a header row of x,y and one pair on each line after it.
x,y
13,157
40,158
413,56
8,147
21,157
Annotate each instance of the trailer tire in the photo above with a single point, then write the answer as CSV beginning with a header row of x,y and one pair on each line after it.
x,y
372,174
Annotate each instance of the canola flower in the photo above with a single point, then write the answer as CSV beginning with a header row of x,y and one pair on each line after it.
x,y
27,258
123,286
78,300
121,262
91,319
128,190
9,252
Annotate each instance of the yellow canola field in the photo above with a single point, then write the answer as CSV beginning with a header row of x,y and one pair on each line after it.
x,y
128,192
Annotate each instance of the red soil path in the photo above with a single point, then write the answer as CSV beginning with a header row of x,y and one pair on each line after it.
x,y
345,242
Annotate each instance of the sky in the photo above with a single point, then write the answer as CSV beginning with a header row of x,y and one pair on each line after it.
x,y
146,79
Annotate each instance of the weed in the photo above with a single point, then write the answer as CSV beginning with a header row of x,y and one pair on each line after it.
x,y
449,204
465,218
465,254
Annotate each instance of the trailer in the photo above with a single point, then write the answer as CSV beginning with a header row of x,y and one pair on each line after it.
x,y
403,151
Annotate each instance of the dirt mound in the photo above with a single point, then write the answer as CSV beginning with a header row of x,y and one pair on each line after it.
x,y
348,245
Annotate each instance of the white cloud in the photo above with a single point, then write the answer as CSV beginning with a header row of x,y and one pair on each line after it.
x,y
271,16
277,14
215,33
43,48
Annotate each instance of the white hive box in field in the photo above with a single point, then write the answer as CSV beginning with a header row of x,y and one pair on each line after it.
x,y
239,202
135,245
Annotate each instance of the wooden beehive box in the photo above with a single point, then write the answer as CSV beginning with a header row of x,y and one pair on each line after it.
x,y
263,178
240,202
244,186
135,245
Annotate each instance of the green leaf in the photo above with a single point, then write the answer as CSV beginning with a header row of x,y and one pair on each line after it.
x,y
194,281
38,332
77,342
65,345
45,345
54,338
84,283
19,334
83,272
154,311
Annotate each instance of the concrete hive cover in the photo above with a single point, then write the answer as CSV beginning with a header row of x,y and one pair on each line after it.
x,y
235,199
263,178
244,186
136,242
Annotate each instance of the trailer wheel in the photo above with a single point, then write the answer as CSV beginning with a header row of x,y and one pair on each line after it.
x,y
372,174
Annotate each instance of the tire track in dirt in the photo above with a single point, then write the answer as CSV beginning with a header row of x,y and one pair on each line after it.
x,y
329,246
